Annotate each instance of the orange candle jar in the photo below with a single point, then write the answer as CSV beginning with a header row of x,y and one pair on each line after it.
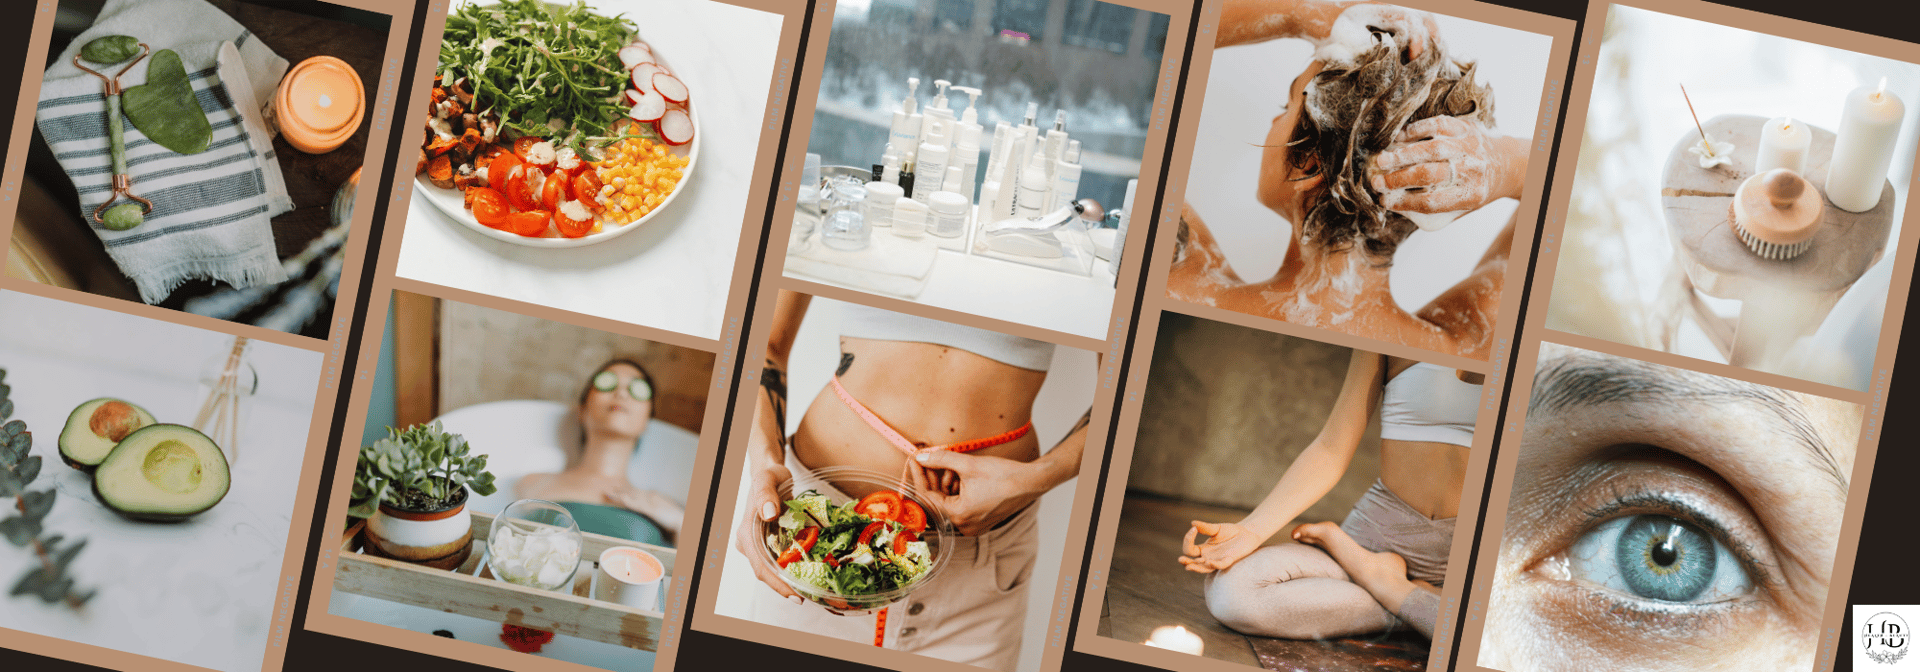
x,y
319,104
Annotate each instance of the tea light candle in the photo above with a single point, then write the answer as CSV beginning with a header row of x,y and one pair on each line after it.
x,y
1783,144
1175,638
1863,146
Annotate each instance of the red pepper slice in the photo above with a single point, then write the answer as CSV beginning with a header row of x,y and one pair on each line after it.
x,y
808,537
873,528
792,555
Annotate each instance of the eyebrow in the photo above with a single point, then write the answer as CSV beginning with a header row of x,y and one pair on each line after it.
x,y
1588,380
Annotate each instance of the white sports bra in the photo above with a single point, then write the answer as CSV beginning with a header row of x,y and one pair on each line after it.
x,y
1428,402
885,325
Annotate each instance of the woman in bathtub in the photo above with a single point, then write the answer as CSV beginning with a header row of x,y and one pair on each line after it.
x,y
615,407
1382,134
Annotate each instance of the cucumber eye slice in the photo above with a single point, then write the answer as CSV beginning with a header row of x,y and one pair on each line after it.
x,y
604,381
640,390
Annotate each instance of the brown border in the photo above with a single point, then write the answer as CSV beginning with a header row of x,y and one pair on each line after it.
x,y
385,283
1526,357
1087,638
1180,13
1179,17
380,117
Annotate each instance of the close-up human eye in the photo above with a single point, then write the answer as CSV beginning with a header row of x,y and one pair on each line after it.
x,y
1660,559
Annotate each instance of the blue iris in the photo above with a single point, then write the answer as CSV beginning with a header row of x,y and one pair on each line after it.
x,y
1661,558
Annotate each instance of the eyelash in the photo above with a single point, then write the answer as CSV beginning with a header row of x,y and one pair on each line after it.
x,y
1639,500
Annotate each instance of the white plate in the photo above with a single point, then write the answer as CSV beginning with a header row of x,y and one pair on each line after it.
x,y
452,203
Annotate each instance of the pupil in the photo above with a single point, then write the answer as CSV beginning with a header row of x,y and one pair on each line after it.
x,y
1663,553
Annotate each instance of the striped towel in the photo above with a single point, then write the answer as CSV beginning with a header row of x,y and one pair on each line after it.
x,y
211,210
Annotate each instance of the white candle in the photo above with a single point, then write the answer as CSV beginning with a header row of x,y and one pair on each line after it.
x,y
1868,129
1783,144
1175,638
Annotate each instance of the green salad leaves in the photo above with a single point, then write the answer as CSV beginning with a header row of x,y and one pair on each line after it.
x,y
541,69
839,549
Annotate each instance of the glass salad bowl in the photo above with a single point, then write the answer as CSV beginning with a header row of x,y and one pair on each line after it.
x,y
938,535
534,543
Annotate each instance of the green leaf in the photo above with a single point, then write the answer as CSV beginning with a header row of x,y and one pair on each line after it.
x,y
34,504
165,108
66,555
13,428
27,470
10,484
19,531
6,408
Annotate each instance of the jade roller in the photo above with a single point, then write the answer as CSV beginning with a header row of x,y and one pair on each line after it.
x,y
109,50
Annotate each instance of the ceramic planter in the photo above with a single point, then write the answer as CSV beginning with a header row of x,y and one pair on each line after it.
x,y
440,537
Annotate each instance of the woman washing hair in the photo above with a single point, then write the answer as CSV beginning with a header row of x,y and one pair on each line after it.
x,y
1381,567
615,407
1383,134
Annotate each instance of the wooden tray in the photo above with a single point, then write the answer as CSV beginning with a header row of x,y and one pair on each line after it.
x,y
471,591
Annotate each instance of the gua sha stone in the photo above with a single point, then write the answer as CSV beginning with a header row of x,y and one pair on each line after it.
x,y
165,108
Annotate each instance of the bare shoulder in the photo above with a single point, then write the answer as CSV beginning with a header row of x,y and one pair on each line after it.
x,y
1468,311
1199,273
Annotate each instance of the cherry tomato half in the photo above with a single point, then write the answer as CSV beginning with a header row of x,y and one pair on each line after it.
x,y
570,227
489,207
901,540
530,224
500,170
586,189
881,505
553,192
523,144
519,191
912,516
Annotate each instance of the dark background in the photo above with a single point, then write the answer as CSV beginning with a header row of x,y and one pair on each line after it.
x,y
1886,552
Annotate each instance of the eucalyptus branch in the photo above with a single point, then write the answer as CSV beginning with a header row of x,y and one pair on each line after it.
x,y
49,581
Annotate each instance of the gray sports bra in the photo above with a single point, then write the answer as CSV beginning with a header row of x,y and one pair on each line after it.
x,y
886,325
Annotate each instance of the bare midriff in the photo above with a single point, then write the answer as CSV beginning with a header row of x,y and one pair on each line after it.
x,y
932,394
1426,475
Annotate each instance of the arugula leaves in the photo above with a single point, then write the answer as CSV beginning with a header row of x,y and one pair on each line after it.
x,y
542,69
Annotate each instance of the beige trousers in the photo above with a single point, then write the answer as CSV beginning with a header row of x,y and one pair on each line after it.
x,y
972,613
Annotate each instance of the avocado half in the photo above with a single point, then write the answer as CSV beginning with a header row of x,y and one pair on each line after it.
x,y
162,472
94,428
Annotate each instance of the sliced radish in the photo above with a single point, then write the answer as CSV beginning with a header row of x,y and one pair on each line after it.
x,y
670,87
676,127
635,42
643,76
631,56
633,96
649,108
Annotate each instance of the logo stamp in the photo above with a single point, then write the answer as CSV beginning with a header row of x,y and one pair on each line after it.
x,y
1885,637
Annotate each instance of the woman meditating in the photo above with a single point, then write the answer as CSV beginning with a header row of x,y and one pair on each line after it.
x,y
1383,566
615,407
948,407
1382,134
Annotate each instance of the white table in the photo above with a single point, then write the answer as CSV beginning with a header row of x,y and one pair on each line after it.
x,y
199,592
674,273
1015,292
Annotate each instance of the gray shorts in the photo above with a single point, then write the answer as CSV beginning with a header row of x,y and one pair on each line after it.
x,y
1381,521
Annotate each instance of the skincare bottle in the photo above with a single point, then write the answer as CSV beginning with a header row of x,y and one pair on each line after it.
x,y
938,114
949,214
1056,141
1033,187
890,168
931,169
904,134
1065,187
1023,144
997,160
952,181
909,218
966,145
881,198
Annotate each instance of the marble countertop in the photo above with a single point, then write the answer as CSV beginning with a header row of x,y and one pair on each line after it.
x,y
199,592
675,273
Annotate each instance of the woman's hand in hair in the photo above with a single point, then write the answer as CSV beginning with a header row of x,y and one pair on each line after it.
x,y
1448,164
1351,33
1226,544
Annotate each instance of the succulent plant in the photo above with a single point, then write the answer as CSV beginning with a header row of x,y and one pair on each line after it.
x,y
419,467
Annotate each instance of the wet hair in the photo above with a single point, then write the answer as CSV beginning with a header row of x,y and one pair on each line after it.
x,y
1352,113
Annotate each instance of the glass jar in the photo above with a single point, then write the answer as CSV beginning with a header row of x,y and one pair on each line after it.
x,y
845,227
